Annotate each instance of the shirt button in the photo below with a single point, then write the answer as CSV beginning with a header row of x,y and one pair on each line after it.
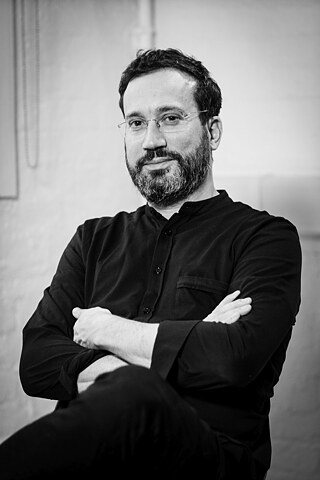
x,y
168,233
147,310
158,270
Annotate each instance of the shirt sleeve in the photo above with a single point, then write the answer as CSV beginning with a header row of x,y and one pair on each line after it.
x,y
211,355
50,360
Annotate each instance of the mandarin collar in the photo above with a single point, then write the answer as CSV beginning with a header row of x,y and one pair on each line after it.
x,y
190,208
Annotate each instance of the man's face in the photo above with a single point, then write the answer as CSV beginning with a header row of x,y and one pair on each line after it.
x,y
166,167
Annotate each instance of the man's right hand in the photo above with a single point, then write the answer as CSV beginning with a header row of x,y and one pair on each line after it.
x,y
230,309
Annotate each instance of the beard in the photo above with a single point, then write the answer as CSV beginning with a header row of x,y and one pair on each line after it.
x,y
162,188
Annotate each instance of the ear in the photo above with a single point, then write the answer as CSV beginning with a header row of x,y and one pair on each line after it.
x,y
215,131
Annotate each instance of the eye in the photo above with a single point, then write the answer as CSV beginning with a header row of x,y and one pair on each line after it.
x,y
135,124
171,119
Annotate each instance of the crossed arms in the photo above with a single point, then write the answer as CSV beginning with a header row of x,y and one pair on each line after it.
x,y
63,352
132,342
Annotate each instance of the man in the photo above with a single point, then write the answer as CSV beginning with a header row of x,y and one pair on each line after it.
x,y
164,330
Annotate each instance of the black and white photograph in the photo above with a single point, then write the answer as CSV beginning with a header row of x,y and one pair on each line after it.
x,y
160,239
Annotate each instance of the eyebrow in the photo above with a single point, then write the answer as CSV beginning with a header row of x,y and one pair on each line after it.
x,y
163,109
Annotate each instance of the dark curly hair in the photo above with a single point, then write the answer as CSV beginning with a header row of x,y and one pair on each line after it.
x,y
207,93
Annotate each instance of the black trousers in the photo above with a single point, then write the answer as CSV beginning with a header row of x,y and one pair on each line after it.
x,y
129,422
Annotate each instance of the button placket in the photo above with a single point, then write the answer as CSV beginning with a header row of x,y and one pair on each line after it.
x,y
161,254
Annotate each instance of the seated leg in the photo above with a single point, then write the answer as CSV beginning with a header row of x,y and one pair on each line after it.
x,y
129,421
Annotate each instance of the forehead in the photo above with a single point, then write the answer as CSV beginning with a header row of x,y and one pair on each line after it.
x,y
163,88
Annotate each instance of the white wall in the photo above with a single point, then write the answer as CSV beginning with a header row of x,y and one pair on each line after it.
x,y
81,173
264,55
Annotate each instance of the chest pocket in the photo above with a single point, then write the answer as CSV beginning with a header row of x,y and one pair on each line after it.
x,y
196,297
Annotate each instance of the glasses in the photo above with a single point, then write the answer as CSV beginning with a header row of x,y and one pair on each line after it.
x,y
170,122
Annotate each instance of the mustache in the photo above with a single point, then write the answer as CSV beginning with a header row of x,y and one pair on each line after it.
x,y
160,152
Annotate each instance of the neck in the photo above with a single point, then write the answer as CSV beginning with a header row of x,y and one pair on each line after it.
x,y
206,191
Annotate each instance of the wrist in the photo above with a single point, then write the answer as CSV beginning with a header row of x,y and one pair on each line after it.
x,y
109,331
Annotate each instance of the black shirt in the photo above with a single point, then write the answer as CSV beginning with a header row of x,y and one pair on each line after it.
x,y
174,272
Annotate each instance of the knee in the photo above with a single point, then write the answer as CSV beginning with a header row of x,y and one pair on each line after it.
x,y
132,384
128,399
126,387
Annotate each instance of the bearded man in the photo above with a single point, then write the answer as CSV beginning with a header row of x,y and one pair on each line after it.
x,y
164,330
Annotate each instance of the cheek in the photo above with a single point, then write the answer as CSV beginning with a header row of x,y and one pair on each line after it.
x,y
186,142
133,152
183,145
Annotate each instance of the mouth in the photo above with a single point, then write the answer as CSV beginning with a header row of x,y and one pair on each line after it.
x,y
159,162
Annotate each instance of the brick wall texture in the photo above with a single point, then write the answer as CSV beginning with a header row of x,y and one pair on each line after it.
x,y
265,56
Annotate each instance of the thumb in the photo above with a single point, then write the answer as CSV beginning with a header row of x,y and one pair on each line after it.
x,y
76,312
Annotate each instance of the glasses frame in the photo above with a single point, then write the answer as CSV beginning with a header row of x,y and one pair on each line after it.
x,y
187,116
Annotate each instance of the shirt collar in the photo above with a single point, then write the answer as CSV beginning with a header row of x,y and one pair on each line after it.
x,y
190,208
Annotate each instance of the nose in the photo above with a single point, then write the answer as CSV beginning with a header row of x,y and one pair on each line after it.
x,y
154,138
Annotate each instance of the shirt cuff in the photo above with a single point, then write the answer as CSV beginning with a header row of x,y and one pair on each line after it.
x,y
71,369
170,338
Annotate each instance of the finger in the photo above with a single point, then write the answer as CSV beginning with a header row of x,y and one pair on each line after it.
x,y
236,309
229,298
240,302
76,338
245,309
229,315
233,316
76,312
